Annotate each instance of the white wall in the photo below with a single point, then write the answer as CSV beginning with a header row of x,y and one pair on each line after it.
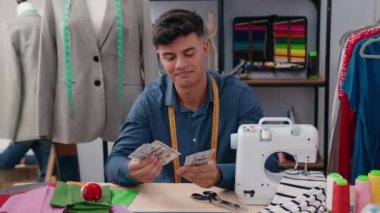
x,y
346,14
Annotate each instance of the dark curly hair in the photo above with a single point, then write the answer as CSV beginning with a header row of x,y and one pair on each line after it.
x,y
174,23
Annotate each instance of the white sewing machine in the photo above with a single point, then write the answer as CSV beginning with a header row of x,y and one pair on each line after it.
x,y
256,142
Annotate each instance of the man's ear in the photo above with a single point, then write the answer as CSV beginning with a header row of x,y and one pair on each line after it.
x,y
206,46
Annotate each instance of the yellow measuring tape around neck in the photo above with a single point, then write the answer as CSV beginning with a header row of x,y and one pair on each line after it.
x,y
214,133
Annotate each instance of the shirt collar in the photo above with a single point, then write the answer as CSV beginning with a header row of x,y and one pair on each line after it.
x,y
171,98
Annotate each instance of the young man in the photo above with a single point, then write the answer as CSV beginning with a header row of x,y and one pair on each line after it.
x,y
188,107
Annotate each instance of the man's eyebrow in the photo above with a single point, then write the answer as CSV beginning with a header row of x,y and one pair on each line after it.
x,y
171,53
188,49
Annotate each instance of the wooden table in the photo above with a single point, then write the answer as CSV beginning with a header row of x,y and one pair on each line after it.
x,y
168,197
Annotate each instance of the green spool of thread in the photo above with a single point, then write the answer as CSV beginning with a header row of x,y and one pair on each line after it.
x,y
374,176
363,178
312,68
375,172
335,175
313,53
341,181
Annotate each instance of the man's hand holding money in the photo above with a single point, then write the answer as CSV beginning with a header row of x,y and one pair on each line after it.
x,y
148,160
199,169
205,175
145,170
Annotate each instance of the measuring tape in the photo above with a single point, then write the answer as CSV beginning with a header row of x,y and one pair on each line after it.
x,y
214,133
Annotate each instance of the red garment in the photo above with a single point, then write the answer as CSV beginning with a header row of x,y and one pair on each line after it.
x,y
348,117
346,137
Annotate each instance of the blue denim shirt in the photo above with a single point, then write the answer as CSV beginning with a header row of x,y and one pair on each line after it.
x,y
148,121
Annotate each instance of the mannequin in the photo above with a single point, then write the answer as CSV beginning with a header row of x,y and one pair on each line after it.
x,y
97,10
19,69
212,30
18,80
96,57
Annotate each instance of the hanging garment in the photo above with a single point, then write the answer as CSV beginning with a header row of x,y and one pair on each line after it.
x,y
89,95
334,147
343,139
348,117
19,42
362,86
334,121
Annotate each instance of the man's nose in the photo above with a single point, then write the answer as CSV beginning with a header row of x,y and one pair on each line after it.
x,y
181,62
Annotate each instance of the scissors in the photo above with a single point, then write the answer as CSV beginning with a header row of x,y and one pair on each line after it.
x,y
214,198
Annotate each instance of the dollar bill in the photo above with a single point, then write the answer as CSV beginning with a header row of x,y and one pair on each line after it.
x,y
141,152
198,158
156,148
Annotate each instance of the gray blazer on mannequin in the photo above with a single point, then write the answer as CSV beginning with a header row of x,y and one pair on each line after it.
x,y
18,77
97,111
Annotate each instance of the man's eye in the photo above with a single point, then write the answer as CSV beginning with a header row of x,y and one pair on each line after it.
x,y
189,53
169,58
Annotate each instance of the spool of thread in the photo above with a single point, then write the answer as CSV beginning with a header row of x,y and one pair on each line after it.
x,y
374,177
329,189
341,196
362,192
371,208
281,157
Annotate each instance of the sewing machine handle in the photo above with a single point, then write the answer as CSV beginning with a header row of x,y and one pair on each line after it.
x,y
275,119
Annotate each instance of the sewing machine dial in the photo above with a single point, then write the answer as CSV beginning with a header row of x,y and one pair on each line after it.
x,y
249,128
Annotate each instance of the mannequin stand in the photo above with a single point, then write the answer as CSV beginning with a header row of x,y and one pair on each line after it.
x,y
105,156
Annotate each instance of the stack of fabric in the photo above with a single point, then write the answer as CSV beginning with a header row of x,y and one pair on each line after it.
x,y
299,192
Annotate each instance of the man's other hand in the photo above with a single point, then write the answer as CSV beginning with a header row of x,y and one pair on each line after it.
x,y
206,175
145,170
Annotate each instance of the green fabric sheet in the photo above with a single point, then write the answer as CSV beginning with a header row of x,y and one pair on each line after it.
x,y
123,196
69,196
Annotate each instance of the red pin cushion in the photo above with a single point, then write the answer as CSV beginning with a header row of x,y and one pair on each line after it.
x,y
91,192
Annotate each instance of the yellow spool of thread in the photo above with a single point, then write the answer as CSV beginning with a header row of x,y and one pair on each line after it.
x,y
374,177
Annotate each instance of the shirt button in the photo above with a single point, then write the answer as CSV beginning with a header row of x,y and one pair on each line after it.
x,y
97,83
96,58
194,140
